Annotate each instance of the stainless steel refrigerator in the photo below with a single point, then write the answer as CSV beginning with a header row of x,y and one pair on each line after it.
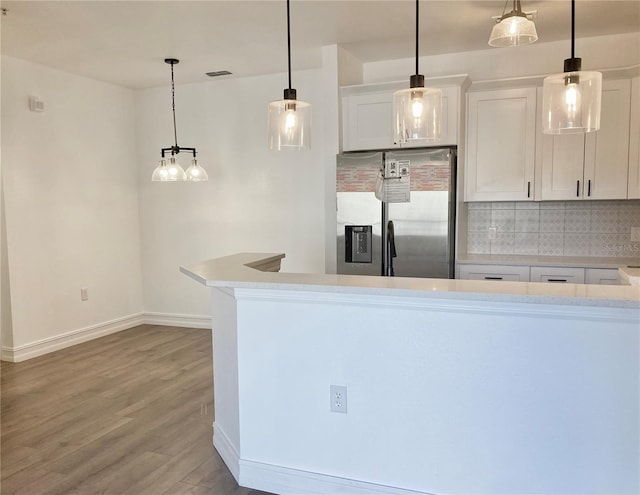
x,y
413,238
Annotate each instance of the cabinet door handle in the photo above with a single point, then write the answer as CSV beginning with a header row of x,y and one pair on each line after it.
x,y
528,189
589,188
493,278
578,188
556,280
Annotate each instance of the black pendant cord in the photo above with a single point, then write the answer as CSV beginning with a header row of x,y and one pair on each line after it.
x,y
175,149
173,108
417,35
289,44
573,28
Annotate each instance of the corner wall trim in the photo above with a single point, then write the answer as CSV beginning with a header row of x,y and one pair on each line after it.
x,y
68,339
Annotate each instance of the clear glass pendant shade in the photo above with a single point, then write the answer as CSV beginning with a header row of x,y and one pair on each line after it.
x,y
417,114
168,172
195,173
513,30
161,172
289,125
571,102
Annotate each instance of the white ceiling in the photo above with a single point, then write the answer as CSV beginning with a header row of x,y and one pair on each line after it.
x,y
125,42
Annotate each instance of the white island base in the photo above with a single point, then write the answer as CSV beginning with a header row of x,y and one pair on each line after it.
x,y
452,386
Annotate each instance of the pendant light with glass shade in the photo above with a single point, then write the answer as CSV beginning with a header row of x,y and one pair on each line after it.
x,y
417,111
514,28
571,100
289,118
172,171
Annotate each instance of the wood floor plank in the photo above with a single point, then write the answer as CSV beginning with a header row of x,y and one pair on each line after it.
x,y
131,412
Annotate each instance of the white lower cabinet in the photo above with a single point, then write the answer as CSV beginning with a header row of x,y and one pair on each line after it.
x,y
557,274
602,276
537,273
494,272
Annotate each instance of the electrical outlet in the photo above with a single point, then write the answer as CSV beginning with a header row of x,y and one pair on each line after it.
x,y
635,234
338,397
84,294
493,233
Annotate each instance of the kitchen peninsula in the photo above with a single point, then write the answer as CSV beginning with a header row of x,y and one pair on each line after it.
x,y
452,386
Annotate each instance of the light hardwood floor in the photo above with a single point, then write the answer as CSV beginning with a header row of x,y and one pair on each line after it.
x,y
129,413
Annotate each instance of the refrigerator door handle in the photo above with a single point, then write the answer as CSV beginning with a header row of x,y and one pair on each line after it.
x,y
391,249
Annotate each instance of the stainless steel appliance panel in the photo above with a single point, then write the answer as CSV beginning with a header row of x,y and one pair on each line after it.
x,y
424,227
359,208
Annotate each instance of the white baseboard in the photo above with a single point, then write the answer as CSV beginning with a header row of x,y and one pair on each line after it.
x,y
288,481
50,344
227,450
176,320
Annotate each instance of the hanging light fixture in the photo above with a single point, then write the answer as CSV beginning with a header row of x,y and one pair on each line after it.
x,y
417,111
172,171
514,28
289,118
571,100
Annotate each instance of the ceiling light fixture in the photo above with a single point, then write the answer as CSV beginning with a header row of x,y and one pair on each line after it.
x,y
172,171
514,28
571,100
417,111
289,118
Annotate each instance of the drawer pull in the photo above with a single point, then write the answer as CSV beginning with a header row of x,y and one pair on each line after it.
x,y
493,278
556,280
577,188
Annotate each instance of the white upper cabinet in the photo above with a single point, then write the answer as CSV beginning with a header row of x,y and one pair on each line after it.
x,y
634,141
593,165
367,120
501,135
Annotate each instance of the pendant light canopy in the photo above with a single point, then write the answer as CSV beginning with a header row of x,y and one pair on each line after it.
x,y
571,100
514,28
289,118
172,171
417,111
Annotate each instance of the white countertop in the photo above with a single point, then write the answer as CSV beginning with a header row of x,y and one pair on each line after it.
x,y
630,275
539,260
235,271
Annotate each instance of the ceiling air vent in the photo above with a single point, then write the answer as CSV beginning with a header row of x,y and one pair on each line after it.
x,y
218,73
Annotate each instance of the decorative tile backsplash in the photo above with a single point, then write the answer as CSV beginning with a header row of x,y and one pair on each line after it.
x,y
555,228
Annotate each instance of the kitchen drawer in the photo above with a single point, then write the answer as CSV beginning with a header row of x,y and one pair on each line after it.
x,y
557,274
494,272
602,276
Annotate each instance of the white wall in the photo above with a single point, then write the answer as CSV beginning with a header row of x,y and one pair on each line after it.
x,y
537,398
602,52
71,205
255,199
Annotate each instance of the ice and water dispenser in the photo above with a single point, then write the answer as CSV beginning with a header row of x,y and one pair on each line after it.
x,y
358,243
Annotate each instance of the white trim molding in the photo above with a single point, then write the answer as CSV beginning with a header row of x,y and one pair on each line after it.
x,y
177,320
50,344
68,339
289,481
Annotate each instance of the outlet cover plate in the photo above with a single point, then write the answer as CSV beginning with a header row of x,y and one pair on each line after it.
x,y
338,398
